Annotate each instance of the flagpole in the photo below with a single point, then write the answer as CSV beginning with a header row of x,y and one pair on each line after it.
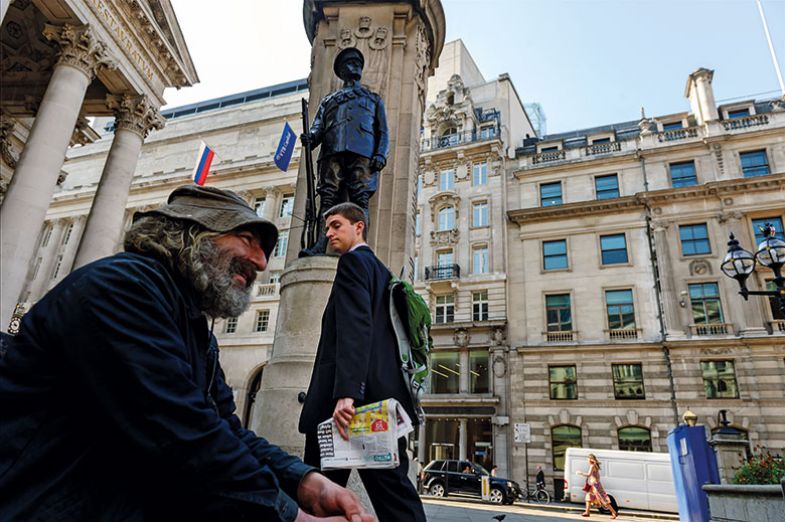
x,y
771,47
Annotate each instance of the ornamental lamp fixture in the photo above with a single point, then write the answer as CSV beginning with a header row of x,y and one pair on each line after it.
x,y
739,264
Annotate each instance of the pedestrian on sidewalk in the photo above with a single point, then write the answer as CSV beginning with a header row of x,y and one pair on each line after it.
x,y
595,493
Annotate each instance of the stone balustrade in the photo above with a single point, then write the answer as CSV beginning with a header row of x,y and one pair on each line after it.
x,y
746,122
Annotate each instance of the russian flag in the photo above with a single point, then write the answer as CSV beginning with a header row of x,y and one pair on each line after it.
x,y
203,161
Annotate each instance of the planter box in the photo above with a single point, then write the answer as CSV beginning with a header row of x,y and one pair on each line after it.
x,y
736,503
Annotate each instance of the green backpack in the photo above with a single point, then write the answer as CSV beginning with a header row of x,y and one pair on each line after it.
x,y
411,320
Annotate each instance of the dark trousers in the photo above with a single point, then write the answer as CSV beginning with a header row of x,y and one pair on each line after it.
x,y
392,493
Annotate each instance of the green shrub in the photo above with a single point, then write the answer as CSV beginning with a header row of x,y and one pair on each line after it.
x,y
763,468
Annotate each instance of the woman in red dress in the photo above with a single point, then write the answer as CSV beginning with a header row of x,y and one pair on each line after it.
x,y
595,494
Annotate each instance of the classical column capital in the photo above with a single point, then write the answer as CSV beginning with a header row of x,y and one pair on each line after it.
x,y
80,48
135,113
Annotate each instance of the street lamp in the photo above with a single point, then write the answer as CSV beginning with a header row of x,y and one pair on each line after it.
x,y
739,264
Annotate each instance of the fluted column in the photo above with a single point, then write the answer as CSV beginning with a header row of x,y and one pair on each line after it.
x,y
674,323
31,189
135,118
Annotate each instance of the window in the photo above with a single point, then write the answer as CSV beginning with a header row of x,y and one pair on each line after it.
x,y
480,305
754,163
445,309
705,300
230,326
683,174
558,313
599,141
282,244
553,148
58,264
758,224
67,234
719,380
563,381
554,254
550,194
621,311
446,180
480,260
419,184
275,277
633,438
449,136
47,235
262,320
673,125
445,372
444,258
258,206
607,187
478,371
447,218
418,223
487,131
694,239
628,381
287,205
416,268
479,174
480,214
738,113
563,437
614,249
776,312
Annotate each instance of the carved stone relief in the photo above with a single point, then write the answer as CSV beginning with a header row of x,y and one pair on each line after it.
x,y
135,113
499,366
700,267
80,48
461,337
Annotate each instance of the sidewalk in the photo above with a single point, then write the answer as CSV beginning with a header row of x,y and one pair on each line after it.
x,y
553,507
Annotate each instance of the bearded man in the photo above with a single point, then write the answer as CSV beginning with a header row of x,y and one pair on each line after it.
x,y
114,404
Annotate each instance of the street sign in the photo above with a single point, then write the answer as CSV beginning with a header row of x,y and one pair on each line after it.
x,y
522,433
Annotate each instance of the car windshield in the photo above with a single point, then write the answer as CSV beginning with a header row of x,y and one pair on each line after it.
x,y
481,470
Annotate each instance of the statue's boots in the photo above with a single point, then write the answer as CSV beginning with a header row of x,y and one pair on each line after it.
x,y
318,249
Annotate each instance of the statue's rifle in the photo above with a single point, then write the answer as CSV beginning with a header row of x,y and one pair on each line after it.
x,y
310,232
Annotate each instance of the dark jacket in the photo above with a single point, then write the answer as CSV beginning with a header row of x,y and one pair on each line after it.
x,y
358,353
106,413
351,119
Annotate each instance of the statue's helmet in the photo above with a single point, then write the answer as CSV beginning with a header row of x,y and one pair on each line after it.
x,y
343,56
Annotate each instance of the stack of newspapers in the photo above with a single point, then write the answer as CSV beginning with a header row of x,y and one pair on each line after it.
x,y
373,438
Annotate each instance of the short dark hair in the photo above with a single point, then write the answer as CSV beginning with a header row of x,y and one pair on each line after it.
x,y
348,210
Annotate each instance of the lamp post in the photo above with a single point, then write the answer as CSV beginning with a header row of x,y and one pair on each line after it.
x,y
739,264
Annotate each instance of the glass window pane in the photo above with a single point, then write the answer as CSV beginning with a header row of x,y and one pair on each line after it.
x,y
683,174
754,163
478,371
757,224
563,437
634,438
445,372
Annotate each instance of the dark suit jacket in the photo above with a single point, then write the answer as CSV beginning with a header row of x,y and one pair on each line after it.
x,y
358,354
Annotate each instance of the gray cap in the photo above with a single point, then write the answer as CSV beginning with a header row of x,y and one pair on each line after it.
x,y
217,210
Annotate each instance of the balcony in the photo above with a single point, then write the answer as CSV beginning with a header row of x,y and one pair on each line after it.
x,y
442,272
623,334
746,122
677,134
711,329
564,336
603,148
266,290
545,157
454,140
777,326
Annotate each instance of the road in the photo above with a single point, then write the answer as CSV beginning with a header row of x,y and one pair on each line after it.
x,y
455,511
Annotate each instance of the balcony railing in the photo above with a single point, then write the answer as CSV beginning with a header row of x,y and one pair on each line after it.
x,y
441,272
560,336
677,134
746,121
623,334
603,148
453,140
777,325
711,329
545,157
267,290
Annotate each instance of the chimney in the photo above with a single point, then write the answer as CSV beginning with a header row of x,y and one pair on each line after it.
x,y
701,96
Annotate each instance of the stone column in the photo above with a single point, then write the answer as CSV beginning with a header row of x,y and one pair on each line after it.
x,y
463,380
498,363
31,189
462,436
674,326
421,453
135,118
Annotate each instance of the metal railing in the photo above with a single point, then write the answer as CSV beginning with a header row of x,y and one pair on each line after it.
x,y
440,272
462,138
677,134
711,329
747,121
560,336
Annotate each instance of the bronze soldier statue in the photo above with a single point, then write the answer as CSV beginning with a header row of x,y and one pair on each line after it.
x,y
351,127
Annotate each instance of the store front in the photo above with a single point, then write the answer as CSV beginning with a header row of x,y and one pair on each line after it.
x,y
458,438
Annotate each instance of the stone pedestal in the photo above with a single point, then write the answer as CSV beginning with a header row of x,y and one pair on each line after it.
x,y
731,455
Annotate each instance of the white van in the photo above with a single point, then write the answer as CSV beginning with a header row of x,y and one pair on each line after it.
x,y
636,479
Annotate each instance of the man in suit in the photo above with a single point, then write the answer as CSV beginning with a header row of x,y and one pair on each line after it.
x,y
357,362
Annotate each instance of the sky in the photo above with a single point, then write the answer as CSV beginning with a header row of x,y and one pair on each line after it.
x,y
587,62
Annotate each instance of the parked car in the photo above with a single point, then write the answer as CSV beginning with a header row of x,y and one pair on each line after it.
x,y
448,477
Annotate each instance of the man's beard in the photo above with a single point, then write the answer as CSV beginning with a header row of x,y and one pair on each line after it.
x,y
213,272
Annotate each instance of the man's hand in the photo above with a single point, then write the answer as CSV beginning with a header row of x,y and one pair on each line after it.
x,y
377,163
306,139
318,495
344,411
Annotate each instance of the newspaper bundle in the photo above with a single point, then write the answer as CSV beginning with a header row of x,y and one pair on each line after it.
x,y
373,438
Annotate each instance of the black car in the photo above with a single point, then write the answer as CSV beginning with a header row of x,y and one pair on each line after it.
x,y
447,477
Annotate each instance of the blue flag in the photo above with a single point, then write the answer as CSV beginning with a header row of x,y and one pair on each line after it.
x,y
285,148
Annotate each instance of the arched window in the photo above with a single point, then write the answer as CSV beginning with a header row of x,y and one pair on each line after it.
x,y
634,438
449,137
447,218
563,437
